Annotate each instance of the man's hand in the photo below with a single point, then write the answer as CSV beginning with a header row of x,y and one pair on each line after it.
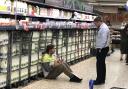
x,y
98,50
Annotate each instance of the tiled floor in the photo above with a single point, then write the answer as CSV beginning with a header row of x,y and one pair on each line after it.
x,y
117,75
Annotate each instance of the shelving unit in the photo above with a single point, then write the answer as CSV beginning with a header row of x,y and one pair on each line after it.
x,y
71,45
22,42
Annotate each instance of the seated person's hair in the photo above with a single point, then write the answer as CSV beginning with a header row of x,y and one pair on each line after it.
x,y
49,47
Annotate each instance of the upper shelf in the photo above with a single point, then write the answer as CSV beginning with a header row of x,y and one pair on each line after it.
x,y
39,17
60,8
41,12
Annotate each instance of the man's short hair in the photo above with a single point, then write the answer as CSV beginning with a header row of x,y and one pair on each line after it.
x,y
98,19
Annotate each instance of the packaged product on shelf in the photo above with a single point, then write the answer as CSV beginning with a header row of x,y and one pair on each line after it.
x,y
20,7
4,38
3,65
3,80
68,58
40,55
35,36
82,16
34,47
60,41
54,41
59,51
64,49
33,10
34,70
73,47
15,62
14,76
24,61
61,14
25,24
77,16
34,58
5,6
24,73
38,25
15,49
55,13
13,22
65,14
84,25
4,49
4,22
76,55
43,26
72,56
44,12
69,15
88,18
49,12
49,34
7,22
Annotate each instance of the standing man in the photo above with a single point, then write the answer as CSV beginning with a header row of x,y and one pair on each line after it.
x,y
102,46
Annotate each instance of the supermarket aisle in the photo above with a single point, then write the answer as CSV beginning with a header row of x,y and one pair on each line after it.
x,y
117,76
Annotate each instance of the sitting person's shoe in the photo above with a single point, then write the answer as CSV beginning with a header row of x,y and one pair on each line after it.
x,y
75,79
98,83
121,59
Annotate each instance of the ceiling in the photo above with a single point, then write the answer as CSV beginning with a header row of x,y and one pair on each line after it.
x,y
107,6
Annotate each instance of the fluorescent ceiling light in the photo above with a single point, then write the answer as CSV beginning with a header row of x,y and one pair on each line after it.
x,y
107,4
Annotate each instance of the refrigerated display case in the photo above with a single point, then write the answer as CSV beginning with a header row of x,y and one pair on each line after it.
x,y
26,31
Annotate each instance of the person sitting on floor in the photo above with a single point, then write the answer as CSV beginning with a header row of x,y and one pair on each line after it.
x,y
53,66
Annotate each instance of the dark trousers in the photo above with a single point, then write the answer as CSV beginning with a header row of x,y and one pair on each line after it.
x,y
100,65
126,58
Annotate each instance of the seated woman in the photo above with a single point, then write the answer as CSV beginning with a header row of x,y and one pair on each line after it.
x,y
53,66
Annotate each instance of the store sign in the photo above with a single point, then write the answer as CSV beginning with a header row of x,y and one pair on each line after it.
x,y
71,4
55,2
75,4
42,1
